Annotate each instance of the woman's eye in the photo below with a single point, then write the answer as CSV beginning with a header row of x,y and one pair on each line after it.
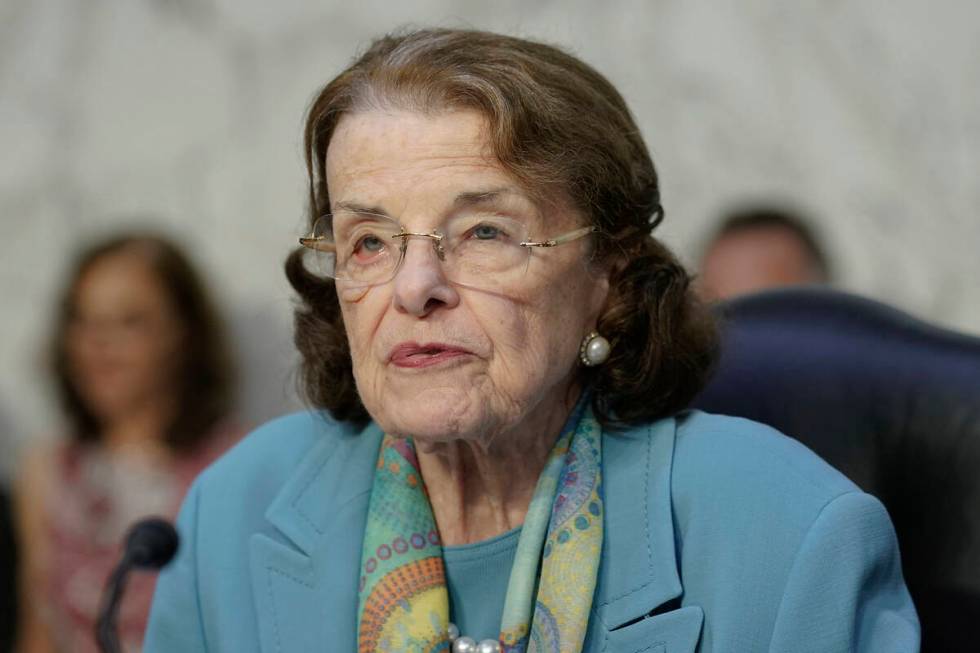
x,y
369,245
487,232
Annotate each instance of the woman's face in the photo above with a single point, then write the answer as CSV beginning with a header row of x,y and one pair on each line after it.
x,y
433,359
123,338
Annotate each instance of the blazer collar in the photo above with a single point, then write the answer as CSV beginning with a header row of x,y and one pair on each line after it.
x,y
303,582
321,510
337,470
638,557
638,572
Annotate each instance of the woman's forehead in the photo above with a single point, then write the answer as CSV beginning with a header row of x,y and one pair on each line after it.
x,y
391,158
120,280
377,141
393,162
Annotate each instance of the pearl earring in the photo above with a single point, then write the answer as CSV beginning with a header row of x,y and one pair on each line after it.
x,y
594,350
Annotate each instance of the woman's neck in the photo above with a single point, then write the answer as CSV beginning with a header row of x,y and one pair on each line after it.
x,y
479,491
140,428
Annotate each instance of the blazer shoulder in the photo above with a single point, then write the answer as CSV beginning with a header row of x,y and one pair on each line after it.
x,y
266,457
732,456
752,520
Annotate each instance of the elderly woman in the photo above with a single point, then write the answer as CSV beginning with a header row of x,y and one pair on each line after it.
x,y
501,351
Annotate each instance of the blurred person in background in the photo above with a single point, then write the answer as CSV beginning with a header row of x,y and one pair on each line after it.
x,y
145,377
758,248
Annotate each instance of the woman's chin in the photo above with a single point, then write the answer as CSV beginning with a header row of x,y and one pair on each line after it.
x,y
430,426
434,417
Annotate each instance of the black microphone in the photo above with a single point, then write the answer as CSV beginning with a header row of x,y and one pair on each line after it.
x,y
150,544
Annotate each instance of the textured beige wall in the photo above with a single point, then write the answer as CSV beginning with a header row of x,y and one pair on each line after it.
x,y
187,114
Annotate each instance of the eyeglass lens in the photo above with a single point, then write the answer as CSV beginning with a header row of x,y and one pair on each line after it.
x,y
478,250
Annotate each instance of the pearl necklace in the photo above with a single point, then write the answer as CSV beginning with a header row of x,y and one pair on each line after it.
x,y
469,645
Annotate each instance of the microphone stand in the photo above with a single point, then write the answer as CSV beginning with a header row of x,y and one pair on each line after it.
x,y
106,629
150,544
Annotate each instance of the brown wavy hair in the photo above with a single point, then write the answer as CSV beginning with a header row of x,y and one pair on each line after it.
x,y
206,374
556,125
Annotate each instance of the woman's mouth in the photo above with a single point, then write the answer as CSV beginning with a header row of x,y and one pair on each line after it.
x,y
415,355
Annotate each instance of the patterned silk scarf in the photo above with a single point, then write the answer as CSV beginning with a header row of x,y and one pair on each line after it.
x,y
403,604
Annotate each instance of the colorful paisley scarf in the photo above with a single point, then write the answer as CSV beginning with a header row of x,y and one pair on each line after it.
x,y
403,604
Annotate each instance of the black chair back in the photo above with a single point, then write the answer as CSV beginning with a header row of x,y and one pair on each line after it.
x,y
892,402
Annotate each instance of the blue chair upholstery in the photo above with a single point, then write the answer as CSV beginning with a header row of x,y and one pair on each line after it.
x,y
892,402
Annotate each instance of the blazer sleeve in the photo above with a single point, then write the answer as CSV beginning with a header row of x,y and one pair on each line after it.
x,y
845,591
176,622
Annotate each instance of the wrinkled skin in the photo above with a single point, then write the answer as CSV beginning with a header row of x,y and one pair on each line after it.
x,y
524,339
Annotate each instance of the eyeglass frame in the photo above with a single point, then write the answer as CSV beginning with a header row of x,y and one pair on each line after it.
x,y
310,242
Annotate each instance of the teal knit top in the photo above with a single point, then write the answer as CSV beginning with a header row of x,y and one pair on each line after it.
x,y
477,575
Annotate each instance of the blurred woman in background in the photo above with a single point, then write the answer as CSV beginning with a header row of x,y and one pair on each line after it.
x,y
145,377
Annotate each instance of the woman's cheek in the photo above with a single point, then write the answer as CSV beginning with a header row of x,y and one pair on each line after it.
x,y
352,295
521,361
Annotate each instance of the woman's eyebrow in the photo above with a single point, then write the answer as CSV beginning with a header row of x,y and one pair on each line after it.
x,y
462,200
477,197
354,207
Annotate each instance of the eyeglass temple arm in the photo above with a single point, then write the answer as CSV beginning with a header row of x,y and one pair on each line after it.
x,y
318,243
561,240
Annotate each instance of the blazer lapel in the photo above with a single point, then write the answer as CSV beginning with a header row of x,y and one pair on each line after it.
x,y
637,603
305,577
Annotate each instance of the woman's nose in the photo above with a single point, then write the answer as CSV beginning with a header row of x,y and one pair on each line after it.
x,y
421,286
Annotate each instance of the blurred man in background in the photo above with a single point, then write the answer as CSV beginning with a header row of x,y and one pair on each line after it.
x,y
758,248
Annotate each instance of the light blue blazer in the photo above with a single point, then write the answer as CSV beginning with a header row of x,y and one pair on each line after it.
x,y
720,535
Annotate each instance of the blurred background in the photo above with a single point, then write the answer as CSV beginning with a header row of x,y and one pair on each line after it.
x,y
185,116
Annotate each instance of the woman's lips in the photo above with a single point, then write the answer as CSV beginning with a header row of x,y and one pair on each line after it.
x,y
414,355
